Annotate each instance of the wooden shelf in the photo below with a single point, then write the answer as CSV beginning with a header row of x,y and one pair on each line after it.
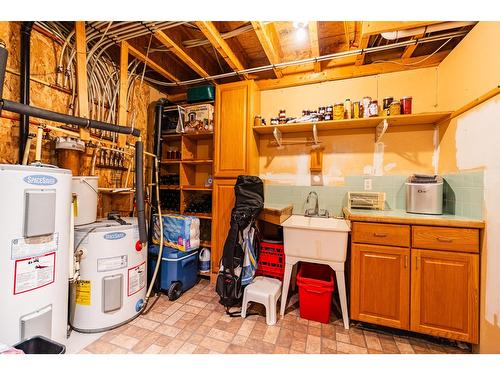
x,y
199,215
205,244
170,187
206,135
171,137
165,212
111,167
170,161
362,123
198,161
196,188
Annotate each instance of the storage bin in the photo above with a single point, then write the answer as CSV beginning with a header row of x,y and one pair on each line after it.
x,y
271,260
316,285
40,345
200,93
177,267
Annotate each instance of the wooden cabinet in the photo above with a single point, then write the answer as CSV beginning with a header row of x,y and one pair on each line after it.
x,y
380,285
436,292
235,144
444,294
223,202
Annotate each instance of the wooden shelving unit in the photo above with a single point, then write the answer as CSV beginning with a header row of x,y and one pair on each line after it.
x,y
361,123
194,167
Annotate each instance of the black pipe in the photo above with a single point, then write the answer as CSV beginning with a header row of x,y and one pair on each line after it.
x,y
3,66
139,192
160,104
24,85
45,114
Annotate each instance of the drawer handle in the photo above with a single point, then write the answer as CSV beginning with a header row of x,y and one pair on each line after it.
x,y
380,234
443,239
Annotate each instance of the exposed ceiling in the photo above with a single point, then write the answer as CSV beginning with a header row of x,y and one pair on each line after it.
x,y
194,50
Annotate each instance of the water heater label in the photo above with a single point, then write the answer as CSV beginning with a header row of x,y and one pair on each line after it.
x,y
40,180
33,273
114,235
83,292
111,264
136,278
21,248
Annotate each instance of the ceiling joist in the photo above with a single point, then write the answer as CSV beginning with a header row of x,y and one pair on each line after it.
x,y
408,52
350,71
214,37
153,65
269,41
314,42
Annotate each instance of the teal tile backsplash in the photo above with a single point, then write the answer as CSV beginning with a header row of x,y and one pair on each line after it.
x,y
463,194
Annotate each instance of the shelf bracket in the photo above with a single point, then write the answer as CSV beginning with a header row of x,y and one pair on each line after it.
x,y
316,141
278,137
380,130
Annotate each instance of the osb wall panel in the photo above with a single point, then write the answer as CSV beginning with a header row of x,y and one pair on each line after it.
x,y
44,58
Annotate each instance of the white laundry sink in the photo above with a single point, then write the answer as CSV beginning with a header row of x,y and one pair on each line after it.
x,y
316,238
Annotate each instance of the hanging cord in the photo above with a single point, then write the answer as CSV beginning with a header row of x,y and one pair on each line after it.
x,y
416,62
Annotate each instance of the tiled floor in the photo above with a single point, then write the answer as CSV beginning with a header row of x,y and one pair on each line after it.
x,y
197,323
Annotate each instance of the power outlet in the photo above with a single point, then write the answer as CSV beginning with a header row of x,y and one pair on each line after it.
x,y
368,184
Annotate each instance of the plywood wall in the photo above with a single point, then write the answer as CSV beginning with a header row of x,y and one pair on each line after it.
x,y
352,153
45,94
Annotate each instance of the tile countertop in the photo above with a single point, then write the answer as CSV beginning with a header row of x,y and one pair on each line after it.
x,y
402,217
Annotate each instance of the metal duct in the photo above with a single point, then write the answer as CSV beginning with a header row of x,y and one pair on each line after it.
x,y
24,85
139,192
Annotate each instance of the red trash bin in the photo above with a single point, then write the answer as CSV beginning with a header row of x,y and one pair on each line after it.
x,y
316,285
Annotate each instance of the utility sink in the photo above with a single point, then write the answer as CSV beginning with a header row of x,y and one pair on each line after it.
x,y
316,238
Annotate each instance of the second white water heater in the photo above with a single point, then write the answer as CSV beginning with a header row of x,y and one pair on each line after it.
x,y
113,273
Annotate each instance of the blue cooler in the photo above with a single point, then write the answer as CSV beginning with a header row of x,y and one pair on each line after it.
x,y
178,270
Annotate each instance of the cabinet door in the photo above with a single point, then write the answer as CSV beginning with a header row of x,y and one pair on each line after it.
x,y
231,129
380,285
444,294
223,202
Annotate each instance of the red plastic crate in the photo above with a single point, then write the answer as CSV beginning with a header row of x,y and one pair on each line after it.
x,y
271,261
316,285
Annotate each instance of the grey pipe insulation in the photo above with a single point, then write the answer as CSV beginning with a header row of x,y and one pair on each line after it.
x,y
25,109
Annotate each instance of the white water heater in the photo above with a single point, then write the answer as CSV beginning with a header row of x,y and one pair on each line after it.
x,y
113,272
34,248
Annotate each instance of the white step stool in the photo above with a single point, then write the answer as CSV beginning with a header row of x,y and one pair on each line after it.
x,y
266,291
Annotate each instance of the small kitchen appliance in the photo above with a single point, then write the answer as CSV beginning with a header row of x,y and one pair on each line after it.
x,y
424,194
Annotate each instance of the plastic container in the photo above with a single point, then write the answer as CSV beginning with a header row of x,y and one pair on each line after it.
x,y
85,188
176,266
316,285
204,259
200,94
271,261
40,345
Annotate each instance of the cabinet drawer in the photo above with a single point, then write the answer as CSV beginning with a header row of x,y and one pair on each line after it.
x,y
443,238
381,234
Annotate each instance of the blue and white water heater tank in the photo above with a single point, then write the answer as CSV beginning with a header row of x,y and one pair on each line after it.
x,y
113,274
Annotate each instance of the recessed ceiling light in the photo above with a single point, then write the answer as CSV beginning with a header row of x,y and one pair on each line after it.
x,y
299,24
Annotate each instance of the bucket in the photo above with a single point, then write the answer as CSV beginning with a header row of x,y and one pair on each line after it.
x,y
204,264
85,189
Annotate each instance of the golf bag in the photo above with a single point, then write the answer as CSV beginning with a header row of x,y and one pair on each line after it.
x,y
241,249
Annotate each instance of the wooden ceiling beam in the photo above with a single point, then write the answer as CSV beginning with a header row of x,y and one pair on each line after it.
x,y
153,65
347,35
410,49
178,50
344,72
314,43
214,37
364,39
378,27
269,41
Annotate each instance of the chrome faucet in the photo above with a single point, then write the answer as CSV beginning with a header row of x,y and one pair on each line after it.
x,y
316,212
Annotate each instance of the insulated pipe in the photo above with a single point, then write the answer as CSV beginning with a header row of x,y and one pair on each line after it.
x,y
3,66
24,85
139,192
45,114
392,35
